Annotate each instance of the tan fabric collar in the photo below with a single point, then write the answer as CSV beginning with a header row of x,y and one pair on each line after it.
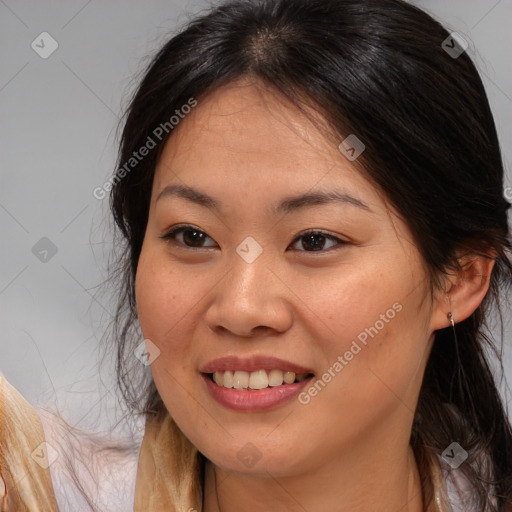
x,y
170,471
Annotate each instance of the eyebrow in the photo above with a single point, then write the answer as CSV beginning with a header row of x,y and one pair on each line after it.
x,y
286,205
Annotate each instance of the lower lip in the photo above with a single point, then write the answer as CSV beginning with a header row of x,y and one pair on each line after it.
x,y
257,400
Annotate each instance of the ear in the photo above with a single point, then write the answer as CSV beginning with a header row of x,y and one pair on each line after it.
x,y
463,291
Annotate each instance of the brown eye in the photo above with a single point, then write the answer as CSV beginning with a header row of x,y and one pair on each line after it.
x,y
316,241
193,238
188,236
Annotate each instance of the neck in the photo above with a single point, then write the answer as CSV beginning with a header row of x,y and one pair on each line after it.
x,y
360,484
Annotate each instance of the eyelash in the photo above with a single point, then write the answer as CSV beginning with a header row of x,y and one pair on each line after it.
x,y
170,237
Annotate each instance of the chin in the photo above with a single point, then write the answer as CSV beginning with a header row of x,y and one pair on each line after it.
x,y
256,461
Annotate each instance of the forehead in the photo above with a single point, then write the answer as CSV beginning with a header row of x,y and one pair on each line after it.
x,y
252,118
246,136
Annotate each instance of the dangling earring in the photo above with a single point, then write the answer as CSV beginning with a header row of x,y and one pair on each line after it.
x,y
452,321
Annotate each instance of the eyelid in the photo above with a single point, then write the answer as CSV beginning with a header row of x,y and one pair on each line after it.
x,y
178,228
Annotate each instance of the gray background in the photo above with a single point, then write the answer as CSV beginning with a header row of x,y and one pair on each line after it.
x,y
57,140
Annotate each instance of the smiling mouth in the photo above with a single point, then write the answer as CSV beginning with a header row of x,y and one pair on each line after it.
x,y
259,379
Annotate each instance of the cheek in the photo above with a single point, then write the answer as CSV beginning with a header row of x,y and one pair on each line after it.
x,y
162,300
374,336
162,296
159,307
169,299
358,303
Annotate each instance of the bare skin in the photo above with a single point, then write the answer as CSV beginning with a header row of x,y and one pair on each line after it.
x,y
347,448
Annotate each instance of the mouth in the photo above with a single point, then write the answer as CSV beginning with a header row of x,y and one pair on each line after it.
x,y
254,384
255,391
256,380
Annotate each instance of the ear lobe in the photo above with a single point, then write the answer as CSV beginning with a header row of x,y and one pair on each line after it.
x,y
465,290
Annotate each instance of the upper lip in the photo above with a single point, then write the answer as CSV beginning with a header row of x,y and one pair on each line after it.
x,y
251,364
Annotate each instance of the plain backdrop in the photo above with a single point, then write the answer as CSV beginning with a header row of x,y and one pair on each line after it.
x,y
57,138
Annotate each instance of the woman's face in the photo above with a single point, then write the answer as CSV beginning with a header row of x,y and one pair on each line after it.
x,y
244,290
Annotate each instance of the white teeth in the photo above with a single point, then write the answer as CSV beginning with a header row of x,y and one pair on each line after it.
x,y
218,378
259,379
240,380
289,377
275,378
228,379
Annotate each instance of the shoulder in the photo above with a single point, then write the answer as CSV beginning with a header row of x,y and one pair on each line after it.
x,y
89,471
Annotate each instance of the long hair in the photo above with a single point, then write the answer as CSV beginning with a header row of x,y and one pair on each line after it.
x,y
376,68
23,458
83,462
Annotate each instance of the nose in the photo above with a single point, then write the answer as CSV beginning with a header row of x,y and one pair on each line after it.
x,y
250,299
